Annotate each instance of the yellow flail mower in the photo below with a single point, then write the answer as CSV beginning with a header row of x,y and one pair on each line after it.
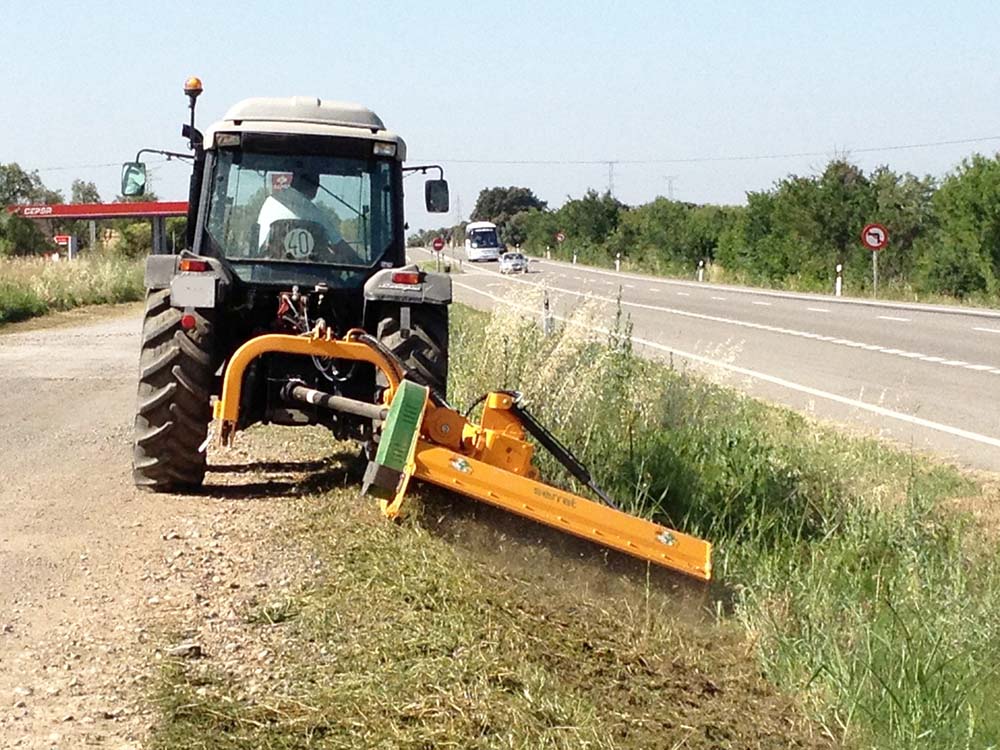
x,y
424,438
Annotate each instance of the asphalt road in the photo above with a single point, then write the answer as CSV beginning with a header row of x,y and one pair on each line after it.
x,y
925,376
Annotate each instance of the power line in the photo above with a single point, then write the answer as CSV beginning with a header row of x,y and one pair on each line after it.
x,y
700,159
68,167
610,163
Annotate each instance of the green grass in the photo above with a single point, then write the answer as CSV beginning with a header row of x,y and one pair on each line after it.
x,y
860,591
33,287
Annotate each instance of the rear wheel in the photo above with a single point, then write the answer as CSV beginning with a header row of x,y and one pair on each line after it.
x,y
424,352
173,409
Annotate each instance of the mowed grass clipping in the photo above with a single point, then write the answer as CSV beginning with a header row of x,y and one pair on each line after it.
x,y
410,642
30,287
861,591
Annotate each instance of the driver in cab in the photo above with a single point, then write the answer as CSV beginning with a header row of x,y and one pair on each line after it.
x,y
294,202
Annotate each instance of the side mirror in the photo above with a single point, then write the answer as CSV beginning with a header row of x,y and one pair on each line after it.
x,y
436,196
133,179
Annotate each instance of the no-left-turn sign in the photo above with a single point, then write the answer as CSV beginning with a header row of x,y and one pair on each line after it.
x,y
874,236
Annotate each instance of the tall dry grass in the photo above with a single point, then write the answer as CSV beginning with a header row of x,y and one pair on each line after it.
x,y
32,286
857,589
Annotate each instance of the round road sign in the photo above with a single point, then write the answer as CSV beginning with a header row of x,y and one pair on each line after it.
x,y
438,244
299,244
874,236
560,237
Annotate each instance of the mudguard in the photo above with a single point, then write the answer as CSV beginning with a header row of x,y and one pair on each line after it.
x,y
434,288
200,289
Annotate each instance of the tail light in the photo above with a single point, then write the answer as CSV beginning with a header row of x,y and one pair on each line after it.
x,y
190,264
188,321
406,277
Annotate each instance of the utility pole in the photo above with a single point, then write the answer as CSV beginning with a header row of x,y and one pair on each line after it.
x,y
611,178
670,185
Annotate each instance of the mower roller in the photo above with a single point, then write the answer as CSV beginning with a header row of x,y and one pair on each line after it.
x,y
422,437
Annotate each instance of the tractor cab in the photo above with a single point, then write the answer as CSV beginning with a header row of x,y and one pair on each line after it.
x,y
287,190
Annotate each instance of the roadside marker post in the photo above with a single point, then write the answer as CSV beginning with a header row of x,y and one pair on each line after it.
x,y
838,285
701,270
875,237
618,262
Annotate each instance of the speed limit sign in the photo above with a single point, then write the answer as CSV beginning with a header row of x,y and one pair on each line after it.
x,y
560,237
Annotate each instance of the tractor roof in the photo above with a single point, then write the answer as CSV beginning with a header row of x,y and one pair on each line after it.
x,y
306,116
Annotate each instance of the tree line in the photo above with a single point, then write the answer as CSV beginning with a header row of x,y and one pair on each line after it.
x,y
944,234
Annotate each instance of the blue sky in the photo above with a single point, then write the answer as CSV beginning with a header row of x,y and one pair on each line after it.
x,y
91,83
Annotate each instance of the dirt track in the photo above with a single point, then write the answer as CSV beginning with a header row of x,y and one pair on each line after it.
x,y
75,536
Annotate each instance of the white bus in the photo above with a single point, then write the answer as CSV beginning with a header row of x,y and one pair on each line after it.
x,y
482,241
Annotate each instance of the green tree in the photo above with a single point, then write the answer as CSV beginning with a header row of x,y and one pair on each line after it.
x,y
84,192
501,204
592,218
20,186
19,236
904,204
962,255
538,227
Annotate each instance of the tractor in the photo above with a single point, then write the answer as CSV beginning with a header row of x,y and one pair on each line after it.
x,y
294,305
295,219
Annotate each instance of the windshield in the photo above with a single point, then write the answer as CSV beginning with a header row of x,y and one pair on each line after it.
x,y
302,208
483,238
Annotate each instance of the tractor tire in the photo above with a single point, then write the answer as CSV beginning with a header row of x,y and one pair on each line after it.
x,y
173,410
424,353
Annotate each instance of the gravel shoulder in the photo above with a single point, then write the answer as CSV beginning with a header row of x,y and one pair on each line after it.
x,y
79,546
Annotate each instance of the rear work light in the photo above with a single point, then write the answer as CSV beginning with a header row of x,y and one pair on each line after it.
x,y
406,277
188,264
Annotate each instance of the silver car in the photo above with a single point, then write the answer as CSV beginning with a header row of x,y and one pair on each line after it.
x,y
513,263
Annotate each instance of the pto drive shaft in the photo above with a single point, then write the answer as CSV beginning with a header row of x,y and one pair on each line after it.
x,y
298,392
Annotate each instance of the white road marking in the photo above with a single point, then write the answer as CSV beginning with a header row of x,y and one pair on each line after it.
x,y
874,409
744,324
762,304
987,330
916,307
892,317
629,286
721,299
683,294
817,309
655,289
